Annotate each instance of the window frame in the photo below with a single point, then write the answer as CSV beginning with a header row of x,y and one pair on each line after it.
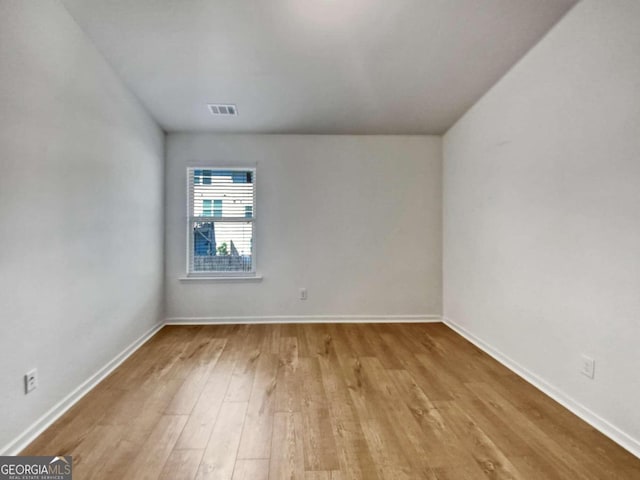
x,y
212,274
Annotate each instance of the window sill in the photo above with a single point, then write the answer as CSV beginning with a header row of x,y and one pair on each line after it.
x,y
221,278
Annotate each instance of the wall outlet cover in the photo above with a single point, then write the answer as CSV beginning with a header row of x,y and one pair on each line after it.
x,y
30,381
588,366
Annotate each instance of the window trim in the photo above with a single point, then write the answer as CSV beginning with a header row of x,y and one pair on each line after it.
x,y
213,275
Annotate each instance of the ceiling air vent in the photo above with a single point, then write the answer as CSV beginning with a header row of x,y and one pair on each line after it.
x,y
222,109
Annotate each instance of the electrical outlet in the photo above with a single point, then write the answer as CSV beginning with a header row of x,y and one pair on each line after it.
x,y
303,294
30,381
588,366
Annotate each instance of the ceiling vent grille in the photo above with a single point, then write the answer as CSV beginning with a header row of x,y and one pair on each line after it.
x,y
222,109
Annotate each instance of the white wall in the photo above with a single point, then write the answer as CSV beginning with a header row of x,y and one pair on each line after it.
x,y
354,219
81,175
542,213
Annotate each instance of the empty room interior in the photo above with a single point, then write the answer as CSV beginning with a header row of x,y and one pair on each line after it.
x,y
320,239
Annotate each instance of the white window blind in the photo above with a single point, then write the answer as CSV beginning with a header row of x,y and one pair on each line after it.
x,y
221,215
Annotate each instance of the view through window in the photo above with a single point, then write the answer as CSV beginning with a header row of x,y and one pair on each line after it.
x,y
221,218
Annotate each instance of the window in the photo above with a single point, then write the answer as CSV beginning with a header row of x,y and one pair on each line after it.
x,y
220,224
217,208
206,207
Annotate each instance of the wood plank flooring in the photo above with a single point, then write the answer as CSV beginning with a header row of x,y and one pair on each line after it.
x,y
324,402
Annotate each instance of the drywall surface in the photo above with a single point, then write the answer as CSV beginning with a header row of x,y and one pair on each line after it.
x,y
354,219
81,178
542,212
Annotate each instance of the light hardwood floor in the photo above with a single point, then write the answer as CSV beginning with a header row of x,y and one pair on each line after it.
x,y
324,402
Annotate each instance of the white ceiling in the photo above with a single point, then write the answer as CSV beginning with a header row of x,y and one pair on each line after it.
x,y
314,66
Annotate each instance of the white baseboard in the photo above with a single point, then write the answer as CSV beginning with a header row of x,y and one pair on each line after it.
x,y
304,319
30,434
614,433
